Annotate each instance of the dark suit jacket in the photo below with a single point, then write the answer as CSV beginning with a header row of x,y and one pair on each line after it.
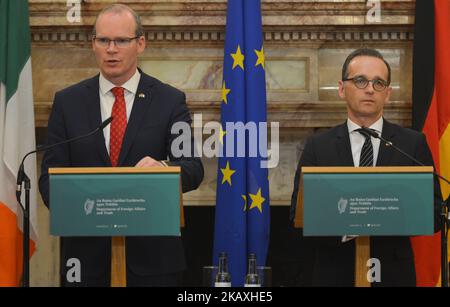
x,y
333,261
76,111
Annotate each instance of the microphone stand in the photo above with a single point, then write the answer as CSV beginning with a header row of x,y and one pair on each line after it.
x,y
445,217
22,176
24,180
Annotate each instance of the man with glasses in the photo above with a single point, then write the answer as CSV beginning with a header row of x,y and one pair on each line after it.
x,y
143,110
365,86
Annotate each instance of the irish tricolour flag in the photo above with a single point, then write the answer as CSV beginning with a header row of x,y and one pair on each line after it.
x,y
16,135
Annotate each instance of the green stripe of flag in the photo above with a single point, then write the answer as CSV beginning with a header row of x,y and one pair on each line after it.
x,y
14,42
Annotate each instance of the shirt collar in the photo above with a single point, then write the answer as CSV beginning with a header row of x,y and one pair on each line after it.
x,y
131,85
377,126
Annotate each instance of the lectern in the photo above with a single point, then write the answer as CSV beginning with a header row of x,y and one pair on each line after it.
x,y
116,202
365,201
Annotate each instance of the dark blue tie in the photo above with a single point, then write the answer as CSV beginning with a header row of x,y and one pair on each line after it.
x,y
366,158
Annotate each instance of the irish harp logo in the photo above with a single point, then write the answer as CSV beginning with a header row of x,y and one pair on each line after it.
x,y
88,206
342,205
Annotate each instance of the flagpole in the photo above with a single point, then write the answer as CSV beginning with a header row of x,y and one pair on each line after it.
x,y
26,234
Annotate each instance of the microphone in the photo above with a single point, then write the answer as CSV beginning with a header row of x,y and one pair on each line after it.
x,y
445,207
23,178
370,132
373,133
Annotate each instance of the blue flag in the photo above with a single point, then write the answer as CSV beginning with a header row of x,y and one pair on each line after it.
x,y
242,200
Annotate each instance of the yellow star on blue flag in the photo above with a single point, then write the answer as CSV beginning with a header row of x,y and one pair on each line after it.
x,y
257,201
238,58
261,58
227,173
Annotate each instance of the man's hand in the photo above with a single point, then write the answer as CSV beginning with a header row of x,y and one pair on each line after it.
x,y
149,162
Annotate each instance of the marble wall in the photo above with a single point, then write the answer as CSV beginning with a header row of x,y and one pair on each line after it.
x,y
305,44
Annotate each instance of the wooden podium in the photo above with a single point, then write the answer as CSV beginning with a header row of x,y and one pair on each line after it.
x,y
118,243
362,252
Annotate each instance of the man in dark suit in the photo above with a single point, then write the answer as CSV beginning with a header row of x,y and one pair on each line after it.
x,y
365,86
144,111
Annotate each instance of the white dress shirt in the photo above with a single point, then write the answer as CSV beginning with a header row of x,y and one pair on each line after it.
x,y
356,142
107,99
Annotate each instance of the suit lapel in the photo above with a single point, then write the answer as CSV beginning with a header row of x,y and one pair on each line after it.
x,y
141,103
95,118
344,149
386,152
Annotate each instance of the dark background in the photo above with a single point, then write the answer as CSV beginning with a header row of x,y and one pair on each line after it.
x,y
285,244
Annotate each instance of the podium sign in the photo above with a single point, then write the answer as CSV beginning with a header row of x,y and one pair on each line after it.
x,y
115,204
370,201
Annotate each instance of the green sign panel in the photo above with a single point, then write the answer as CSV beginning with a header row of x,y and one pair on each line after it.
x,y
115,205
368,204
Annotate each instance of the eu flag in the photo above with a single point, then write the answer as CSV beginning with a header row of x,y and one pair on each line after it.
x,y
242,200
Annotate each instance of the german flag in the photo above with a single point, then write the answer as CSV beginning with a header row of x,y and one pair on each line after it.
x,y
431,113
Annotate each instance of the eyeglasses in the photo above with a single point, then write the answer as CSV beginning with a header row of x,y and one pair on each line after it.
x,y
121,42
361,82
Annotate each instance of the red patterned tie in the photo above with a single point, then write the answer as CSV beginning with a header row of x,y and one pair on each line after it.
x,y
118,125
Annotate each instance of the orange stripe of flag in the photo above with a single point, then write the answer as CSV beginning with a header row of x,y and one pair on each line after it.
x,y
11,248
